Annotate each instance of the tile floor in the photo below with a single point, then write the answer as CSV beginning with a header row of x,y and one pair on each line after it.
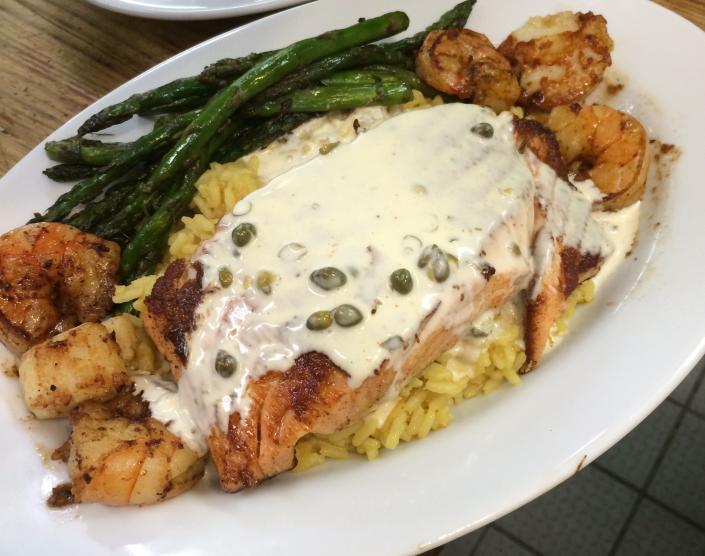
x,y
644,497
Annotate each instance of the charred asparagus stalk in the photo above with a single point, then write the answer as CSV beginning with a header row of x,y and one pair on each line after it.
x,y
334,97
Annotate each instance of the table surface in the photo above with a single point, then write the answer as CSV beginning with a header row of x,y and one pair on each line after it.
x,y
59,57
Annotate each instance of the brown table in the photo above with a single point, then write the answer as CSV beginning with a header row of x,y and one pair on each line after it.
x,y
58,56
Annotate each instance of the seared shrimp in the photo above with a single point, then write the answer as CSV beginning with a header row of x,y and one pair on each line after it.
x,y
558,58
605,145
52,277
119,455
464,63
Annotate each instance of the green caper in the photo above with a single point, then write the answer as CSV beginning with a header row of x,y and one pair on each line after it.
x,y
225,277
225,364
244,233
347,315
433,257
483,130
516,250
328,278
328,147
320,320
400,281
264,281
440,269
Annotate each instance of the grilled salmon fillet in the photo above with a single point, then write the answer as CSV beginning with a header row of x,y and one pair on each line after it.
x,y
314,395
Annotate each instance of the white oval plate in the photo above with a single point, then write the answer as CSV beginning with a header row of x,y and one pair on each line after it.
x,y
193,9
632,346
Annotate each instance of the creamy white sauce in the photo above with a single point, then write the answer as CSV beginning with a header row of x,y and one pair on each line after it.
x,y
620,228
166,406
367,208
304,143
422,174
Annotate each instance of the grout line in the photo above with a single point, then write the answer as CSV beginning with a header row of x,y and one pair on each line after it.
x,y
655,467
481,538
517,540
696,413
649,497
676,402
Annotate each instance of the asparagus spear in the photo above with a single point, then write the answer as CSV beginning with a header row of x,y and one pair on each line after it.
x,y
373,74
454,18
100,210
180,105
341,97
90,188
71,172
355,57
77,150
223,71
263,75
142,102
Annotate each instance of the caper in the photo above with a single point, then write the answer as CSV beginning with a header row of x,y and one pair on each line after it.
x,y
243,234
347,315
264,281
400,281
437,261
429,254
328,278
516,249
320,320
483,130
440,269
225,277
225,364
328,147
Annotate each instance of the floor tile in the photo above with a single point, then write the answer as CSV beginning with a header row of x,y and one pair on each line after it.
x,y
462,546
580,517
680,480
634,456
680,394
496,543
657,532
697,404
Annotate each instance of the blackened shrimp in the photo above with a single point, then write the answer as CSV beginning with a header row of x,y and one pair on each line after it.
x,y
464,63
52,277
605,145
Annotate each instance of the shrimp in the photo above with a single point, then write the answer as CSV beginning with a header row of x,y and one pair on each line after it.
x,y
464,63
558,58
52,277
605,145
119,455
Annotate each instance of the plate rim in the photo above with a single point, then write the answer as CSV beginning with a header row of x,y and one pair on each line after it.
x,y
598,446
175,13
